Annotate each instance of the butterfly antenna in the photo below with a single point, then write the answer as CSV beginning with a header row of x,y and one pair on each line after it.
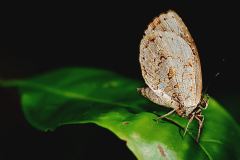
x,y
210,82
213,79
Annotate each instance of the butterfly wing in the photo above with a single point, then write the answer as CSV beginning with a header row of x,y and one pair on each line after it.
x,y
163,100
170,63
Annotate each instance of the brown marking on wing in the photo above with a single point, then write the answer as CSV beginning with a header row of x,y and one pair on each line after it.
x,y
151,39
189,64
176,85
168,88
191,88
154,23
174,95
162,57
180,111
171,73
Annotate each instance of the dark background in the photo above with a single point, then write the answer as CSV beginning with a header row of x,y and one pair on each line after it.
x,y
103,35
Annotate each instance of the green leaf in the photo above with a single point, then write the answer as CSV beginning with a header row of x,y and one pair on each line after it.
x,y
81,95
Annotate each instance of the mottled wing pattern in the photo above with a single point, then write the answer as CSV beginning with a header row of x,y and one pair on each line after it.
x,y
164,99
170,63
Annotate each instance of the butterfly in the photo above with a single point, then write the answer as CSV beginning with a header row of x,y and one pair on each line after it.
x,y
171,68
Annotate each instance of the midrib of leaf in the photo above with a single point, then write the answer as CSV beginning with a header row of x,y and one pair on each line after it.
x,y
212,141
14,83
206,152
58,92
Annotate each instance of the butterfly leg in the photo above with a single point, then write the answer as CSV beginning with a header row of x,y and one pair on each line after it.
x,y
200,119
203,107
167,114
189,122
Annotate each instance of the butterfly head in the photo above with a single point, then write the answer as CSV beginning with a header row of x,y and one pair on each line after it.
x,y
204,101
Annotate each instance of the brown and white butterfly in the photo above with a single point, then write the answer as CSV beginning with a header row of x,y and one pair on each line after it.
x,y
171,68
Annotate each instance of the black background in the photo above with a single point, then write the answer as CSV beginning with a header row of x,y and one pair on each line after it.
x,y
102,35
